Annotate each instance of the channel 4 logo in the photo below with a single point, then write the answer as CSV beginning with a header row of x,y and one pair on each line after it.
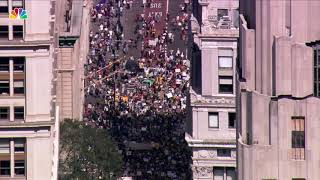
x,y
18,13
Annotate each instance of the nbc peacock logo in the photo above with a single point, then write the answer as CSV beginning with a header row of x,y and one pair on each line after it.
x,y
18,13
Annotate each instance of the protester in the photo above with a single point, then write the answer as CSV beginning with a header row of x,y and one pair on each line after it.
x,y
139,99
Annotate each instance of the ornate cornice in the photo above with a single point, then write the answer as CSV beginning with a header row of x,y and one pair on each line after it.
x,y
201,100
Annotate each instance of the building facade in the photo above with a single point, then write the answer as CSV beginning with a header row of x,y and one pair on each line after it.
x,y
278,90
211,127
72,28
27,107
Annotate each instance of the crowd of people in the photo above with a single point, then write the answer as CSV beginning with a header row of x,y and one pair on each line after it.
x,y
139,98
167,155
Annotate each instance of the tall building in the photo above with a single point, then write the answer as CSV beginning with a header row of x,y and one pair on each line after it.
x,y
27,108
211,127
72,27
278,90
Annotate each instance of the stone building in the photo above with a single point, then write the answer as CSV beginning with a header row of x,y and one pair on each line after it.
x,y
278,90
27,108
211,127
72,28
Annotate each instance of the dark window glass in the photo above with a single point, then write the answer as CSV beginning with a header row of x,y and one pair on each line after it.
x,y
231,173
222,12
226,84
4,113
298,139
4,88
18,64
3,9
314,57
19,167
18,112
226,88
4,32
19,145
4,167
17,31
4,64
232,120
224,152
4,6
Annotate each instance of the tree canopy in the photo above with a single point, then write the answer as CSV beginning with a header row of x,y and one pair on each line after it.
x,y
87,153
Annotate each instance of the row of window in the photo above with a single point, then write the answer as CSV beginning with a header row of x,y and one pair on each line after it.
x,y
17,31
18,64
18,79
214,120
18,87
19,156
4,5
225,64
18,113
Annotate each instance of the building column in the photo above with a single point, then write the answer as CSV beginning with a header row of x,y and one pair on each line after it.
x,y
11,158
224,173
11,76
9,6
11,111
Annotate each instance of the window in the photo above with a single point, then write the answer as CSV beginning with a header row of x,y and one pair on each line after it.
x,y
19,145
232,120
17,31
17,4
4,167
222,12
19,167
225,58
226,84
218,173
4,113
18,64
213,120
18,87
4,146
4,32
4,6
4,88
19,113
19,156
225,62
298,138
4,64
231,173
224,152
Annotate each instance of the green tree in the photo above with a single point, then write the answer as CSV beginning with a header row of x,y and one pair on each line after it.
x,y
87,153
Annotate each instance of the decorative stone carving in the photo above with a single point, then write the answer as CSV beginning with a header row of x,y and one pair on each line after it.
x,y
203,154
213,153
206,154
195,99
202,171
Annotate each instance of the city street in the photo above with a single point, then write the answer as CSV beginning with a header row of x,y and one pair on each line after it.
x,y
137,80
